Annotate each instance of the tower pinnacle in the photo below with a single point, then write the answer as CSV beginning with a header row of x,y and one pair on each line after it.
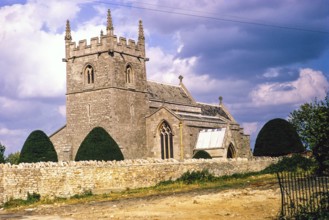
x,y
109,27
141,32
68,36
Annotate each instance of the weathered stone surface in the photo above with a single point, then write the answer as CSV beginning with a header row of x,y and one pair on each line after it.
x,y
65,179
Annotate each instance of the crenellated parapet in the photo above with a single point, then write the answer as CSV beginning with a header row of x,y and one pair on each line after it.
x,y
105,44
108,43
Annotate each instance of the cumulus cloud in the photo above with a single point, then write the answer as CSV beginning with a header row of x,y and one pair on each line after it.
x,y
33,76
31,57
310,84
166,67
227,49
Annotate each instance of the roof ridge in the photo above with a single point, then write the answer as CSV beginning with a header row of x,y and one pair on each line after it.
x,y
203,103
167,84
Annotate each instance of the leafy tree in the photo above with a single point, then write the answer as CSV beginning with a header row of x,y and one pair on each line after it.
x,y
2,153
202,154
99,145
321,154
311,121
38,147
277,138
13,158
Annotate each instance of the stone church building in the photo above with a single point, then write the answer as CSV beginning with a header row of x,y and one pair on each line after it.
x,y
107,87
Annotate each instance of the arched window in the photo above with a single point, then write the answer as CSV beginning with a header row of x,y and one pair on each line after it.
x,y
166,139
129,74
231,151
89,74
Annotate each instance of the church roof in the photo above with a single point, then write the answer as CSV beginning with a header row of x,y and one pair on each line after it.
x,y
212,110
199,117
177,95
168,93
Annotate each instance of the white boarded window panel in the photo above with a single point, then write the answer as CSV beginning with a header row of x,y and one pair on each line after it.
x,y
211,138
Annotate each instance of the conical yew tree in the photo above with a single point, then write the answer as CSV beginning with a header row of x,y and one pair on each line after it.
x,y
37,148
99,145
277,138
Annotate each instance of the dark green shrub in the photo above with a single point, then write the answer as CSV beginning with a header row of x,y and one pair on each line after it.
x,y
196,176
36,148
166,182
201,154
99,145
277,138
85,194
31,198
292,164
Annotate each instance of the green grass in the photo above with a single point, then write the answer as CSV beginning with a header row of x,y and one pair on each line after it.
x,y
85,194
31,198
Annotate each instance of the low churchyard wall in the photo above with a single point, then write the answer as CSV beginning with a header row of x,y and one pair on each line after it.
x,y
65,179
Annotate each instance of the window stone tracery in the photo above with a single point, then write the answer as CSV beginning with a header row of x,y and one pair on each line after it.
x,y
89,74
166,139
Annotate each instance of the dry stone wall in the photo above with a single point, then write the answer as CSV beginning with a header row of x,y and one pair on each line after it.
x,y
65,179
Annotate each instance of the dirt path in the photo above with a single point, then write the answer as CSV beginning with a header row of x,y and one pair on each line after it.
x,y
205,204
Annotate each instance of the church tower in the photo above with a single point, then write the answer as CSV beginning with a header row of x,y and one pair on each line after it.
x,y
106,87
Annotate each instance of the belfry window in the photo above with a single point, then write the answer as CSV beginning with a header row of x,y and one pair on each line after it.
x,y
166,139
89,74
129,74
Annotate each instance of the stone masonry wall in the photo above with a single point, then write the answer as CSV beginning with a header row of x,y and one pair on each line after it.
x,y
65,179
109,101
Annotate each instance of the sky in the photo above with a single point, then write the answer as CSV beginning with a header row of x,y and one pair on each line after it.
x,y
265,58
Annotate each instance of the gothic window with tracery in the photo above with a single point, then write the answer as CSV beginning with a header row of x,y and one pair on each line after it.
x,y
129,74
166,138
89,74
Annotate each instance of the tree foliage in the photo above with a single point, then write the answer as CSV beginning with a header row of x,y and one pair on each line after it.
x,y
13,158
311,122
2,153
277,138
99,145
36,148
201,154
321,154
